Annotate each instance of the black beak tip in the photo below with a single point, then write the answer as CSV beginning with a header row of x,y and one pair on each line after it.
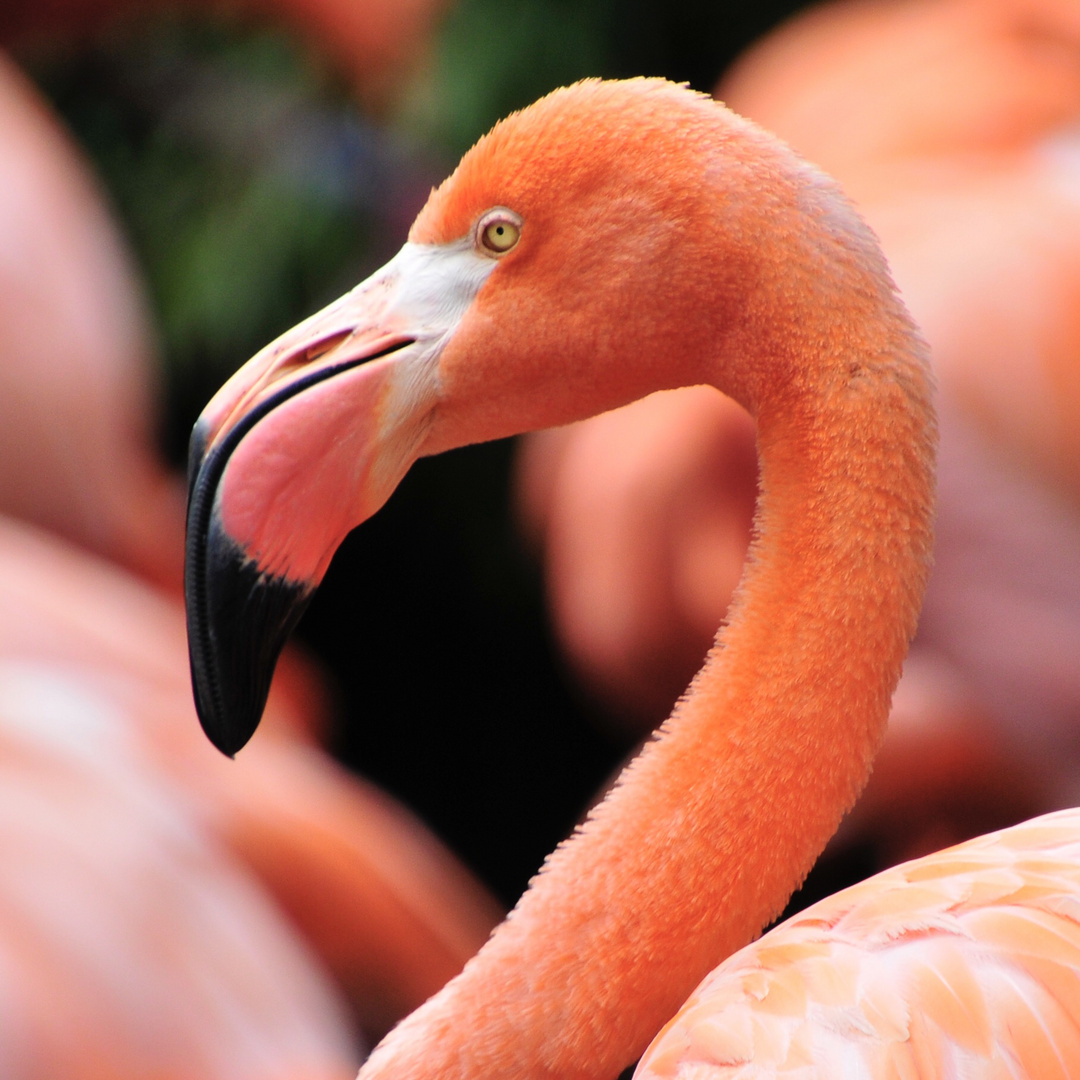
x,y
228,723
239,619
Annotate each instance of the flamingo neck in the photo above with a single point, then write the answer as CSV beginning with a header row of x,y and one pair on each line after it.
x,y
712,828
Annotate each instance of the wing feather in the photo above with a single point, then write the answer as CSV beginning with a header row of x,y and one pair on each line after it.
x,y
965,964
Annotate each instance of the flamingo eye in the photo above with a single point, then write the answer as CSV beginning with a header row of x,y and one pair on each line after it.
x,y
498,231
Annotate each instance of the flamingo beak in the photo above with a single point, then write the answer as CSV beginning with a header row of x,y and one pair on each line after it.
x,y
305,441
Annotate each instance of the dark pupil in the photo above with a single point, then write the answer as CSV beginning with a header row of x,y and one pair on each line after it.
x,y
499,229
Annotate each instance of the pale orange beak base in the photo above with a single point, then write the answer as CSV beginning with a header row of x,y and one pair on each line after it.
x,y
279,471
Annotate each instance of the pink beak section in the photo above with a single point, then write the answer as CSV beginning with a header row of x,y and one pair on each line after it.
x,y
302,444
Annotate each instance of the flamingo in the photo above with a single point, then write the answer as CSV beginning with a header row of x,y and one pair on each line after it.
x,y
611,240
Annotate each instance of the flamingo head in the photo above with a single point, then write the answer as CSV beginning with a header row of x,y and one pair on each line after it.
x,y
528,295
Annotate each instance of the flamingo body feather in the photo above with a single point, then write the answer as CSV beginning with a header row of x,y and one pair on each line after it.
x,y
962,963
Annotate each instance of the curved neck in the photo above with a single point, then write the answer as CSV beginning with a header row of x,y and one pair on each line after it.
x,y
710,830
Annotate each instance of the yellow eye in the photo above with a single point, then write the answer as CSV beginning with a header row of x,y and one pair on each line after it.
x,y
501,235
499,230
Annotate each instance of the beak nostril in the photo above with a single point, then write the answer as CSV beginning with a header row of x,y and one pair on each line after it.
x,y
321,348
291,362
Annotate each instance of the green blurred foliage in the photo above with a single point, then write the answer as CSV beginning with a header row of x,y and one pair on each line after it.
x,y
494,56
185,123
